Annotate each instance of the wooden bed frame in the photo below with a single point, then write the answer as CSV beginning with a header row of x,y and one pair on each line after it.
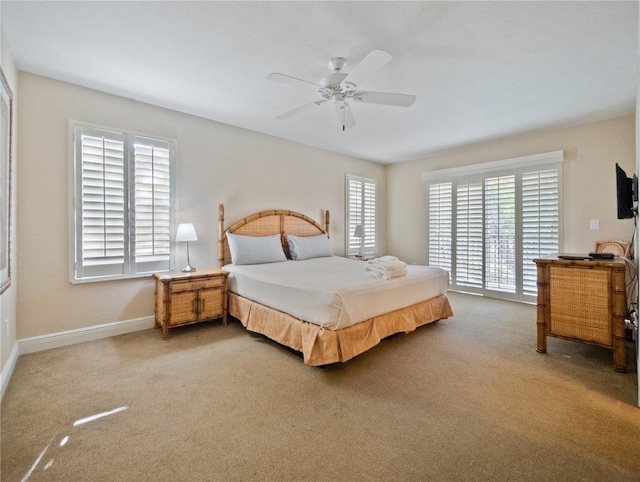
x,y
319,346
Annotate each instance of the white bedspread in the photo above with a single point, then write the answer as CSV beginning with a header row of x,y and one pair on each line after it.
x,y
333,292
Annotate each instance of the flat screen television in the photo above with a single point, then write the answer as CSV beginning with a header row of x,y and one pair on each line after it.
x,y
626,193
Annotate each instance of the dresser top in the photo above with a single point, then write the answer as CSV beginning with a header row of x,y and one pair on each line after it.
x,y
585,262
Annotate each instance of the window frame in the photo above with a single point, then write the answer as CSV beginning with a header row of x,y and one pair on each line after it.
x,y
479,173
127,268
369,246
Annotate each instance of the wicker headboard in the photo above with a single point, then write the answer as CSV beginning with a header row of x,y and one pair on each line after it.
x,y
266,223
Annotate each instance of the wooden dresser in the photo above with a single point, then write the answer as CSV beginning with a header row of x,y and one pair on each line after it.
x,y
583,300
185,298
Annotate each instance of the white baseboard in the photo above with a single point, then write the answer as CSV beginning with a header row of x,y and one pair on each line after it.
x,y
7,371
71,337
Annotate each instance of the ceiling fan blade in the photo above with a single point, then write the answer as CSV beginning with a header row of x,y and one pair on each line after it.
x,y
300,110
287,79
345,115
373,61
385,98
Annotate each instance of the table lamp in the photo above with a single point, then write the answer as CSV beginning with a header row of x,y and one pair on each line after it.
x,y
186,232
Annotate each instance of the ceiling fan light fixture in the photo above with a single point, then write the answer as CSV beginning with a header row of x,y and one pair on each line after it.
x,y
349,88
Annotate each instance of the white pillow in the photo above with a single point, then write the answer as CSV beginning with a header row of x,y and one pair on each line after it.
x,y
255,249
307,247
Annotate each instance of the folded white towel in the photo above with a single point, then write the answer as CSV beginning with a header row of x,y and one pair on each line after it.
x,y
384,259
386,267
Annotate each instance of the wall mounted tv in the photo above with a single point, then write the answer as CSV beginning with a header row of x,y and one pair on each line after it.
x,y
626,193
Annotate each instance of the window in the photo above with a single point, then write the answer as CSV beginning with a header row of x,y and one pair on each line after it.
x,y
487,223
122,204
361,222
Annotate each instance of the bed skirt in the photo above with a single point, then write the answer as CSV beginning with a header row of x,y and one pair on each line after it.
x,y
321,346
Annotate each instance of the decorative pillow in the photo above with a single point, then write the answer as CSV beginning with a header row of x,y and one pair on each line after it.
x,y
255,249
307,247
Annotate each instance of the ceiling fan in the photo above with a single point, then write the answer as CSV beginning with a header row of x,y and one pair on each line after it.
x,y
336,88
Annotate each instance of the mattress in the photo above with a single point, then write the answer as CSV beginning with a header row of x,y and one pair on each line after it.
x,y
333,292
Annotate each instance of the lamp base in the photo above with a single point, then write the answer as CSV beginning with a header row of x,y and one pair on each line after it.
x,y
188,269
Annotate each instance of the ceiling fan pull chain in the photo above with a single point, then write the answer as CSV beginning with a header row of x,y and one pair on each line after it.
x,y
344,121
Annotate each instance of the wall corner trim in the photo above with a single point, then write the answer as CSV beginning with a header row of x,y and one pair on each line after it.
x,y
7,371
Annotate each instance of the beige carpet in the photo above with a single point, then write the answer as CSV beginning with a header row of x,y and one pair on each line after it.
x,y
462,399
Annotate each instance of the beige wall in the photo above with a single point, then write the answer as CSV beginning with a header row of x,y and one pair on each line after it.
x,y
248,172
215,163
588,188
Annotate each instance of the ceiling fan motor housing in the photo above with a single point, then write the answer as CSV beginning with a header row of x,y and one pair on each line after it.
x,y
334,79
337,64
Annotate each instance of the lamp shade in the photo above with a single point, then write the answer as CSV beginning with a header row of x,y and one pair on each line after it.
x,y
186,232
358,232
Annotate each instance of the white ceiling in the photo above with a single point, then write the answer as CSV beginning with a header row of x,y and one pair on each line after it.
x,y
480,70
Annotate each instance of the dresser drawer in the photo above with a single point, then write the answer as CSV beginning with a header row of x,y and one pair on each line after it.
x,y
197,284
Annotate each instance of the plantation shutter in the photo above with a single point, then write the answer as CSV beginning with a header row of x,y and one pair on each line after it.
x,y
469,239
500,233
122,204
369,216
152,204
440,225
487,228
355,211
103,199
540,221
361,210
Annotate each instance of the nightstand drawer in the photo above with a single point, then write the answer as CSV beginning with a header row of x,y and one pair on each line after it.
x,y
191,285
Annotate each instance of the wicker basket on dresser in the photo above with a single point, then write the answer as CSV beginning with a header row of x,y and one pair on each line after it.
x,y
186,298
583,300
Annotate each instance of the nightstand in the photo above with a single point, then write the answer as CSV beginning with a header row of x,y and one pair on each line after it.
x,y
186,298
